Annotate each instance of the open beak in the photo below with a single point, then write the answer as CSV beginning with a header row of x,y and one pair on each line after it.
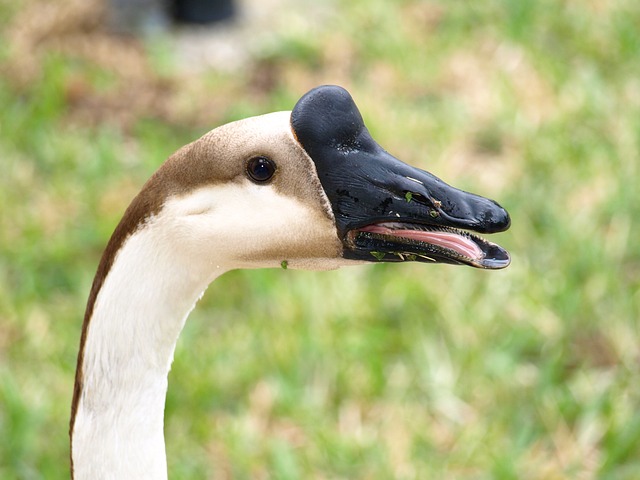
x,y
386,210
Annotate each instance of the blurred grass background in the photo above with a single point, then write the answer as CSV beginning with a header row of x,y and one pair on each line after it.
x,y
385,371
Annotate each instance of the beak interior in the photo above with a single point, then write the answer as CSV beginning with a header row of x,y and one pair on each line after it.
x,y
393,242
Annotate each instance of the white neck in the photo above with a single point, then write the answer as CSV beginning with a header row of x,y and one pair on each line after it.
x,y
177,241
137,318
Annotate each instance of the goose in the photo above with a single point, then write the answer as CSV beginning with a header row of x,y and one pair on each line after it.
x,y
307,189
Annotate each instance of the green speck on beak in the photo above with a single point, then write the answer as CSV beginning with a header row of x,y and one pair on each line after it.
x,y
378,255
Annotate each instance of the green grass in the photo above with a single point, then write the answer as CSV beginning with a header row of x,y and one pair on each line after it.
x,y
376,372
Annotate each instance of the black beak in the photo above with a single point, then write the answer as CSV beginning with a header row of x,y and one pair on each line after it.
x,y
385,209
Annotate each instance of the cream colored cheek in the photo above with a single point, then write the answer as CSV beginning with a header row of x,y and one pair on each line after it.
x,y
238,221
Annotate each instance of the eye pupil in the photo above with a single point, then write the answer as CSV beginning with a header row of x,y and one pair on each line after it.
x,y
260,169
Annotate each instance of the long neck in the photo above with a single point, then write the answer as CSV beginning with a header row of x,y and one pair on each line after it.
x,y
128,349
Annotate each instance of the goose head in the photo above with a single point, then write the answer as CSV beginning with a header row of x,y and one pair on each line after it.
x,y
307,189
311,189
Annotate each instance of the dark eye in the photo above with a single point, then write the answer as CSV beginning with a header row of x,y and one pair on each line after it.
x,y
260,169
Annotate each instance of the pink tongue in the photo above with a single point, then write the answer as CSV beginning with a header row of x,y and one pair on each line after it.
x,y
452,241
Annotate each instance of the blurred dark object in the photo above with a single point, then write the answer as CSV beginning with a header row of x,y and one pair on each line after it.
x,y
202,11
150,16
